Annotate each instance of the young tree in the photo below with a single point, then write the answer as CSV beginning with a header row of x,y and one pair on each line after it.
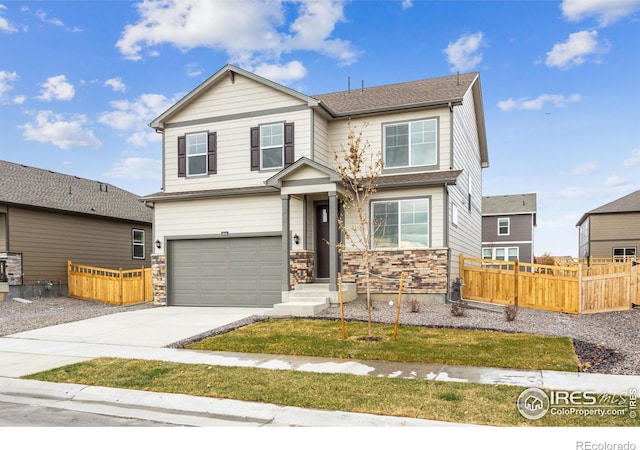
x,y
359,168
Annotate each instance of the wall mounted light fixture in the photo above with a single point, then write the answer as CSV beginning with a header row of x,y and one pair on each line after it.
x,y
158,243
296,239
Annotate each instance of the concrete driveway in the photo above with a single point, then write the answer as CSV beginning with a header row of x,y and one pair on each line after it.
x,y
154,327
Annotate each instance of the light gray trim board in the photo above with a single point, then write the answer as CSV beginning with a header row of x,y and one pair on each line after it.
x,y
177,196
308,182
333,242
286,244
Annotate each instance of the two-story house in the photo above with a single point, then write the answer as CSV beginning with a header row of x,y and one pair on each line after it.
x,y
250,202
508,223
611,230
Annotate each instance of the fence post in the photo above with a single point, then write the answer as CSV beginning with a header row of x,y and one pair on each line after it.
x,y
580,299
121,286
516,270
461,275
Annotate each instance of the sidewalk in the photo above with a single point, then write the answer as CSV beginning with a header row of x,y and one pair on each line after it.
x,y
47,348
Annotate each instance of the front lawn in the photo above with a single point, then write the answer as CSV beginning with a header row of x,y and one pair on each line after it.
x,y
311,337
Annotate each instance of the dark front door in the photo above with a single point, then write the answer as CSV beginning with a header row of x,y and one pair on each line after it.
x,y
322,241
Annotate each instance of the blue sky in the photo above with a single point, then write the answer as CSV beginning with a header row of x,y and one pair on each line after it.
x,y
80,81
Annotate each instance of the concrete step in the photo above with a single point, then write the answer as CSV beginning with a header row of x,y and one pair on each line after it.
x,y
305,308
306,290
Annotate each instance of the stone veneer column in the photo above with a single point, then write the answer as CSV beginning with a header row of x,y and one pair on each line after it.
x,y
159,278
301,264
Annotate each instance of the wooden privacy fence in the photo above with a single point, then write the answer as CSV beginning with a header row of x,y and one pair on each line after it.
x,y
573,289
116,287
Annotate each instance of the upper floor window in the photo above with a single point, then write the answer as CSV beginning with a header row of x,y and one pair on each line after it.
x,y
197,154
138,244
501,253
400,223
272,146
410,144
503,226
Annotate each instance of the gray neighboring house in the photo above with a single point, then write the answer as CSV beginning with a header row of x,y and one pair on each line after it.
x,y
48,218
508,223
611,230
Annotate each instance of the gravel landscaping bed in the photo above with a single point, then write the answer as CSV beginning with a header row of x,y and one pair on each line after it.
x,y
608,342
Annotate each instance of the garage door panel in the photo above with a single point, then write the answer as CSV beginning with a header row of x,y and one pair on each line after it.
x,y
225,272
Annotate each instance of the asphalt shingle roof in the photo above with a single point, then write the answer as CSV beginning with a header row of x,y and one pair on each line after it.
x,y
430,91
628,203
29,186
509,204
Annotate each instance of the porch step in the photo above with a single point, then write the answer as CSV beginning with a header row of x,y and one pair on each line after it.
x,y
308,290
310,306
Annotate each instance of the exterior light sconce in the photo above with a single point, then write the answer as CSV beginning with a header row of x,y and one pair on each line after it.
x,y
158,243
296,239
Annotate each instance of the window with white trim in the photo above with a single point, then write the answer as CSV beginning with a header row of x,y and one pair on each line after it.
x,y
196,154
400,223
410,144
272,146
501,253
624,253
138,244
503,226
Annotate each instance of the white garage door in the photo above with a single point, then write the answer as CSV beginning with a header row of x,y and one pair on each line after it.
x,y
225,272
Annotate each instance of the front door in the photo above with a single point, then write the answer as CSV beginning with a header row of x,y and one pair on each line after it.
x,y
322,241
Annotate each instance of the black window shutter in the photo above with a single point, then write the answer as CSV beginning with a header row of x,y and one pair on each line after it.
x,y
212,153
182,156
289,152
255,148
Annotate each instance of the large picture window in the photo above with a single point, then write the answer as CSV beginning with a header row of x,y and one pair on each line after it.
x,y
410,144
400,223
501,253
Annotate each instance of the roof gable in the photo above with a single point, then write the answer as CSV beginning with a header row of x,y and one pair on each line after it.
x,y
303,165
227,72
628,203
29,186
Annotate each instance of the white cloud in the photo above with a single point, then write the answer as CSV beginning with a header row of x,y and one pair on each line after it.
x,y
538,103
116,84
43,17
19,99
51,128
464,54
6,81
575,50
133,117
56,88
586,168
6,27
283,74
614,180
137,169
406,4
633,160
605,11
193,70
249,31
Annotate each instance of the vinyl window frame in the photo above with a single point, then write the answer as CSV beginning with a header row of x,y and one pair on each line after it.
x,y
399,201
410,164
507,226
139,243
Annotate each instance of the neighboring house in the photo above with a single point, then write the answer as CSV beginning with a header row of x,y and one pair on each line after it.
x,y
508,223
612,230
47,219
250,200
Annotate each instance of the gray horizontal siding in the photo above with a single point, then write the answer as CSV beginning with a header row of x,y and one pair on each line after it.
x,y
48,240
521,229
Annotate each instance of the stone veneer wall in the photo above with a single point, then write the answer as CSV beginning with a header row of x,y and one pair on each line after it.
x,y
425,271
14,267
301,266
159,279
